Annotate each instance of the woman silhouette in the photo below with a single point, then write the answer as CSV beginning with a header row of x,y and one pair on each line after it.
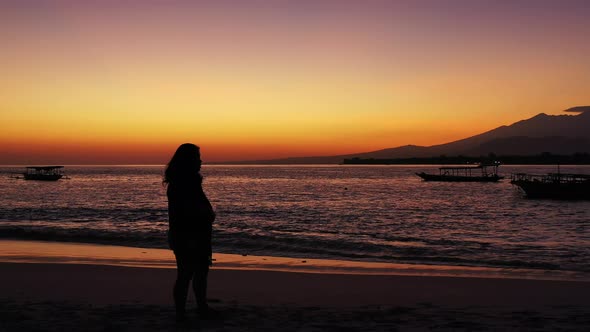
x,y
190,218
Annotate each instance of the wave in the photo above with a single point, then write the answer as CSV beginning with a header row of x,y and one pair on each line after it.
x,y
122,214
143,239
293,246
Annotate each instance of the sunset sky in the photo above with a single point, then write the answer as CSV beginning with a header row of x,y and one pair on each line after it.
x,y
125,82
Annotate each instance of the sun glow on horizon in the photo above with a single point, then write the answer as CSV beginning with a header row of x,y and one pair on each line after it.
x,y
129,82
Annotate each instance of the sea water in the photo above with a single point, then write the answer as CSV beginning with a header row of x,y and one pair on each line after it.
x,y
367,213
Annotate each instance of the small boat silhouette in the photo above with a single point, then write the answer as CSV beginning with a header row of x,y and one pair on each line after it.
x,y
558,185
480,173
44,173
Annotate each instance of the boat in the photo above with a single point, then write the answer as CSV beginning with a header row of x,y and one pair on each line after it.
x,y
485,172
44,173
554,185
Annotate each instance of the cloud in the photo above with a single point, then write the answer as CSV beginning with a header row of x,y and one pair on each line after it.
x,y
578,109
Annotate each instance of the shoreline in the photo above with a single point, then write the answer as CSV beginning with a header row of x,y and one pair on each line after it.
x,y
62,292
27,251
106,284
70,297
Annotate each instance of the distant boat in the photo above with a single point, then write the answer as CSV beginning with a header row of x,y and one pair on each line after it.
x,y
479,173
554,185
44,173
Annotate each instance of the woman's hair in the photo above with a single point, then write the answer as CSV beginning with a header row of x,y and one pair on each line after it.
x,y
184,165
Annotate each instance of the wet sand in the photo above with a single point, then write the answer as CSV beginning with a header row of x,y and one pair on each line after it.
x,y
42,296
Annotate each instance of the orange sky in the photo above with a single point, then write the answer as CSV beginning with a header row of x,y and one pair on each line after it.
x,y
113,83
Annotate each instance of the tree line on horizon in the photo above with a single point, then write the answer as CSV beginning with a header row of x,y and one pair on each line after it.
x,y
545,158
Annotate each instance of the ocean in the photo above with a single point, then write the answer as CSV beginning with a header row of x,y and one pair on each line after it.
x,y
366,213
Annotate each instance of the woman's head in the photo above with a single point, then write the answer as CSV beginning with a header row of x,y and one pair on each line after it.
x,y
185,164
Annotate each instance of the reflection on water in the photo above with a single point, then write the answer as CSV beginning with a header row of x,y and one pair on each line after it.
x,y
371,213
75,253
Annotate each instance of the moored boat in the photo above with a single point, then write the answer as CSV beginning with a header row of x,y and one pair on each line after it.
x,y
554,185
44,173
480,173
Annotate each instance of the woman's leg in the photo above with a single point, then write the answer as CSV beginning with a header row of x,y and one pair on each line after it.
x,y
185,271
200,285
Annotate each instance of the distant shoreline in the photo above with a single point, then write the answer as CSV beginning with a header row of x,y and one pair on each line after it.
x,y
362,162
542,159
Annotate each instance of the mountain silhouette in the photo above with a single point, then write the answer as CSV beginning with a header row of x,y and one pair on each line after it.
x,y
556,134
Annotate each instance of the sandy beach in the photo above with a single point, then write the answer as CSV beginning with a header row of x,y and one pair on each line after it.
x,y
59,295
